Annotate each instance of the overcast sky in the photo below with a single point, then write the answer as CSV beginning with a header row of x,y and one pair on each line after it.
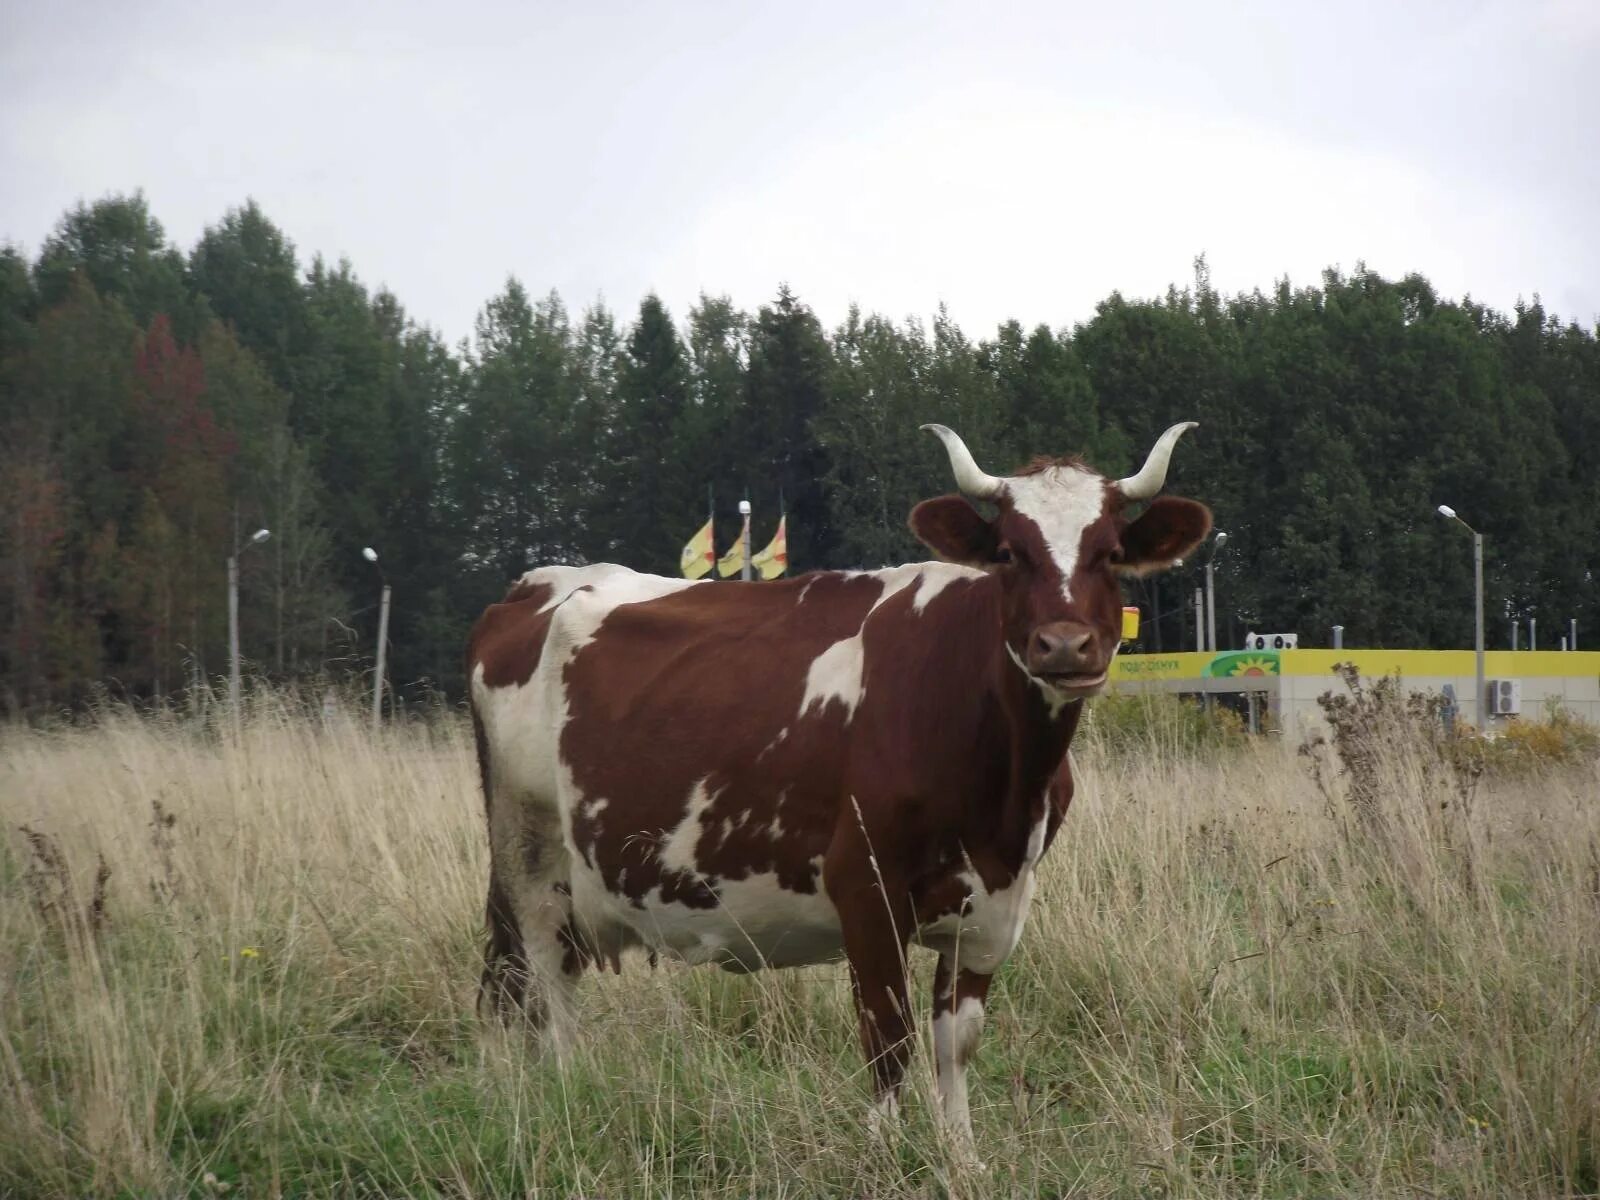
x,y
1012,161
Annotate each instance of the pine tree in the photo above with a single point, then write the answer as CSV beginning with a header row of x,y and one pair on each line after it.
x,y
785,389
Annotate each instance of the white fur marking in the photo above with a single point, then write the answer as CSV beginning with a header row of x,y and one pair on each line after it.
x,y
1062,502
955,1041
982,936
883,1114
677,852
1055,699
836,673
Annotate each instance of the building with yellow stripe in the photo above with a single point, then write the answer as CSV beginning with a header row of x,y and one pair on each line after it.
x,y
1286,683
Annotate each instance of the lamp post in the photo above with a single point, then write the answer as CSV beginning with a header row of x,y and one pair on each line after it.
x,y
371,555
1477,568
256,539
1217,544
744,511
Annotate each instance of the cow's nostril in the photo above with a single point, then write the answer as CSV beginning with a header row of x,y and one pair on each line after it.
x,y
1063,647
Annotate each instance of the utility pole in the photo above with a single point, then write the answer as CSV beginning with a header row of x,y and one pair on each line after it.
x,y
371,555
1477,573
1220,541
234,681
233,632
1481,707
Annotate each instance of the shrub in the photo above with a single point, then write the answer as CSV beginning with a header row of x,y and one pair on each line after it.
x,y
1122,722
1562,739
1372,725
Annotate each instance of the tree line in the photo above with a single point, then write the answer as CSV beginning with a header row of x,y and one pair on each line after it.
x,y
157,407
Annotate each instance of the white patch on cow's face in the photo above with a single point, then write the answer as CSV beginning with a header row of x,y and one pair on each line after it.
x,y
1062,502
836,673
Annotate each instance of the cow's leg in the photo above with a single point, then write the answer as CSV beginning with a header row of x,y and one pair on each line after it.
x,y
958,1000
533,963
544,916
505,971
884,1010
875,918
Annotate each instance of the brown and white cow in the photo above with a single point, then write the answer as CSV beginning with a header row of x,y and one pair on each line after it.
x,y
842,764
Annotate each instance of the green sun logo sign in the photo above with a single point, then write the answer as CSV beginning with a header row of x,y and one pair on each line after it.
x,y
1242,664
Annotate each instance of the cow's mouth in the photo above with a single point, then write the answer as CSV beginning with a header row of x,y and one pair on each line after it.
x,y
1073,681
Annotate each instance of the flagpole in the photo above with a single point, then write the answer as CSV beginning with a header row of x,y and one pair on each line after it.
x,y
744,568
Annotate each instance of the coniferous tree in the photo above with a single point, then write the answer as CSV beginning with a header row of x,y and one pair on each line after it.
x,y
145,407
786,388
246,270
656,495
123,252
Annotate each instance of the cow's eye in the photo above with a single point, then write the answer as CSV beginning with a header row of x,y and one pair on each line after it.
x,y
1116,555
1002,554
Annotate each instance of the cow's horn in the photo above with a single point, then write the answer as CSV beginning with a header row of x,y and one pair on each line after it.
x,y
1153,474
969,478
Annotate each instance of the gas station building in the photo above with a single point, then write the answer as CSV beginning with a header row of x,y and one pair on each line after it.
x,y
1285,684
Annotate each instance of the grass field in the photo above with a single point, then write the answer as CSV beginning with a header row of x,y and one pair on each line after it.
x,y
1230,986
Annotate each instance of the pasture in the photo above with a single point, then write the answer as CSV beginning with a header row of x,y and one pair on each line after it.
x,y
246,966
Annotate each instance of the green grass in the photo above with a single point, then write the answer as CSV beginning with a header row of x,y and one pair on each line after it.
x,y
1225,990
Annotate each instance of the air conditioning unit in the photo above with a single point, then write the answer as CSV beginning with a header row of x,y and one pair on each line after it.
x,y
1272,641
1505,697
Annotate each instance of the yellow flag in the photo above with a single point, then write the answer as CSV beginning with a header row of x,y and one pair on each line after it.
x,y
732,562
774,560
698,554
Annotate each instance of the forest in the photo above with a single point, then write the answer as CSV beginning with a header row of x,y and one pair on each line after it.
x,y
158,406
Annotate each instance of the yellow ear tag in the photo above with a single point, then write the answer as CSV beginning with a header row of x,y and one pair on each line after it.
x,y
1130,624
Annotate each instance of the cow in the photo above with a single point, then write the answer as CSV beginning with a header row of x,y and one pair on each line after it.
x,y
841,764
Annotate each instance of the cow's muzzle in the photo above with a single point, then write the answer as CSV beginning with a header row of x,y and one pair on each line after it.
x,y
1068,656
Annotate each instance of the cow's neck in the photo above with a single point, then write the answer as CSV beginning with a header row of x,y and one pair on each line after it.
x,y
1039,731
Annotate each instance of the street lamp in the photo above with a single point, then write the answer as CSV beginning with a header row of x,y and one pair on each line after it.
x,y
744,511
232,618
1217,544
371,555
1449,514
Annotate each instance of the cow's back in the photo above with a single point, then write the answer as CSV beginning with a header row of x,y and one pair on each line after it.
x,y
515,657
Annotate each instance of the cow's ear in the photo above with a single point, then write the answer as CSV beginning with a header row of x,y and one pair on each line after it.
x,y
953,530
1165,532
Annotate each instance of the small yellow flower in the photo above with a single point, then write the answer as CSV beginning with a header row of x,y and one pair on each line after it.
x,y
249,952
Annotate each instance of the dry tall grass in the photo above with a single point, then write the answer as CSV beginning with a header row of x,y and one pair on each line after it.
x,y
1229,986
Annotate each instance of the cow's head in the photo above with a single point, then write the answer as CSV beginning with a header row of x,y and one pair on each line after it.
x,y
1059,543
